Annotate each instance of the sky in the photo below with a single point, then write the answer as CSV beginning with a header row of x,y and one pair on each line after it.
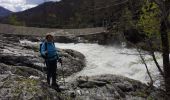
x,y
20,5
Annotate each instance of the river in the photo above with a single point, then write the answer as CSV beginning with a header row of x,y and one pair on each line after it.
x,y
112,60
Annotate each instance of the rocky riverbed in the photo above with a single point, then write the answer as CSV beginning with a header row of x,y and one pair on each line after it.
x,y
22,76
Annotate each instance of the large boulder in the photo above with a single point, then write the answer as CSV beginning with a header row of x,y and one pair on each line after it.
x,y
73,62
112,87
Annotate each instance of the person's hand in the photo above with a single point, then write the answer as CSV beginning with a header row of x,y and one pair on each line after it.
x,y
60,61
46,52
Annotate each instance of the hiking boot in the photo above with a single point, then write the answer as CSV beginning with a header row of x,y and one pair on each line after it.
x,y
56,87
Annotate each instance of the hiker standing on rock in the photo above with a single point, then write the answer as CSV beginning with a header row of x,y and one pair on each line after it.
x,y
49,53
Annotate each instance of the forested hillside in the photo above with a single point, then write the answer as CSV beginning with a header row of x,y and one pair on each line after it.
x,y
76,13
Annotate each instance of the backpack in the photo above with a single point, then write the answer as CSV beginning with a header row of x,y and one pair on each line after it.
x,y
43,56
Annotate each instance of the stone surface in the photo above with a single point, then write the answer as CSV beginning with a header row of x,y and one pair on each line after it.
x,y
113,87
16,87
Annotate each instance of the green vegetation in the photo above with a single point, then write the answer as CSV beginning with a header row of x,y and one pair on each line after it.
x,y
126,20
140,94
154,22
150,98
28,85
143,94
14,21
73,14
149,20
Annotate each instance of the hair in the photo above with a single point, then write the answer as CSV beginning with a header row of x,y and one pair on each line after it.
x,y
48,34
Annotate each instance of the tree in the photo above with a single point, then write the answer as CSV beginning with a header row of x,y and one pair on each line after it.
x,y
13,20
149,22
151,25
126,20
128,23
164,6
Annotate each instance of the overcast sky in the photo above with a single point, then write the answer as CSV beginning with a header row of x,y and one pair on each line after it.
x,y
20,5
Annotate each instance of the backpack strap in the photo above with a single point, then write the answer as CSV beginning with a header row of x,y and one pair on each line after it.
x,y
54,44
46,48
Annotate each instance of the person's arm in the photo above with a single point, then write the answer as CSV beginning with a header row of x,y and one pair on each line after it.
x,y
58,56
43,51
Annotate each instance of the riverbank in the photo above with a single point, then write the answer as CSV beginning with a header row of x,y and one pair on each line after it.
x,y
22,78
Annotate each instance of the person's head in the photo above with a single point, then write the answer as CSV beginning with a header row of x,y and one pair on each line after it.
x,y
49,37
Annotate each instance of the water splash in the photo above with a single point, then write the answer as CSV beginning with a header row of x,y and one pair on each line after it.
x,y
113,60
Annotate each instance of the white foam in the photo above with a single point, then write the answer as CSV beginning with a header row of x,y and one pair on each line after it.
x,y
26,42
113,60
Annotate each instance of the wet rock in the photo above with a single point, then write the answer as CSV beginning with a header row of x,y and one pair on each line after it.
x,y
91,84
73,62
83,82
125,87
112,87
104,38
20,70
27,54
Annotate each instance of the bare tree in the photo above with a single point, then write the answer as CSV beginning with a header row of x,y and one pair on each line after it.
x,y
146,66
164,6
152,53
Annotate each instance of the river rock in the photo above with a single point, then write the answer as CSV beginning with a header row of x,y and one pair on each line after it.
x,y
113,87
73,62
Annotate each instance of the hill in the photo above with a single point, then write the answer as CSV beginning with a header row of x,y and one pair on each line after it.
x,y
4,12
74,13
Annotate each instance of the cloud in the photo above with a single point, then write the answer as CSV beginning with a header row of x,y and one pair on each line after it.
x,y
20,5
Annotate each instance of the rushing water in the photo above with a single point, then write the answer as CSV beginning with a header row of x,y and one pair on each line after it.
x,y
112,60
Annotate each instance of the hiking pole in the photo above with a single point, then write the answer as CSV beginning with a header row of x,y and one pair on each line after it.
x,y
44,69
62,72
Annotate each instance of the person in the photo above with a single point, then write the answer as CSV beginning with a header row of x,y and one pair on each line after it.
x,y
49,50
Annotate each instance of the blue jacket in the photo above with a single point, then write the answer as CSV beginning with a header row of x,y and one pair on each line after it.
x,y
51,51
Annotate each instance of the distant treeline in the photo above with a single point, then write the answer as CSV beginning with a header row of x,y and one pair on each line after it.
x,y
76,13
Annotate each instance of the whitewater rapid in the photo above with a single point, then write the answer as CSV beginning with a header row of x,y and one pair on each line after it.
x,y
113,60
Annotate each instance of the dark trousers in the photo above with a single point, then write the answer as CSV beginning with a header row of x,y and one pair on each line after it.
x,y
51,71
